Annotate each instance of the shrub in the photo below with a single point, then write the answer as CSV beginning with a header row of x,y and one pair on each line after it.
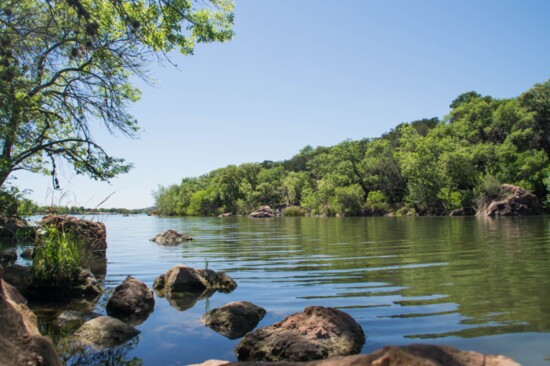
x,y
57,259
293,211
377,203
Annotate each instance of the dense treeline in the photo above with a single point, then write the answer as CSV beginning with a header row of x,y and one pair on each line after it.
x,y
429,166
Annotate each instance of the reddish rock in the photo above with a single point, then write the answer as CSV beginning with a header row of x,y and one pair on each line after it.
x,y
413,355
516,201
314,334
93,234
20,340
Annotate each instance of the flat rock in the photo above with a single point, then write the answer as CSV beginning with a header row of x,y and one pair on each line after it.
x,y
235,319
314,334
262,212
105,331
132,300
170,237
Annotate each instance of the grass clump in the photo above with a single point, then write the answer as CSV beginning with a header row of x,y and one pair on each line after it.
x,y
293,211
58,257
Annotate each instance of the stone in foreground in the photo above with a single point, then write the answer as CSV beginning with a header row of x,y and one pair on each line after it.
x,y
235,319
105,331
132,300
413,355
170,237
314,334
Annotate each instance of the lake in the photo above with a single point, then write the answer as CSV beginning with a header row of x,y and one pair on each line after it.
x,y
476,284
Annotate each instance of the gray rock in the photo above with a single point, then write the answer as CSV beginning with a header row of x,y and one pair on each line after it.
x,y
170,237
105,331
8,256
314,334
235,319
132,301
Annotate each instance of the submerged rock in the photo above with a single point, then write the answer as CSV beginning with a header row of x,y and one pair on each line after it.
x,y
73,318
170,237
183,286
20,340
105,331
132,300
516,201
92,234
314,334
181,278
235,319
262,212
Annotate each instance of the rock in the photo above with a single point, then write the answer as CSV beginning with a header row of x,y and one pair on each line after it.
x,y
83,285
19,276
516,202
8,256
413,355
181,278
105,331
262,212
20,340
73,318
27,254
466,211
226,214
212,363
235,319
170,237
14,227
93,234
132,300
314,334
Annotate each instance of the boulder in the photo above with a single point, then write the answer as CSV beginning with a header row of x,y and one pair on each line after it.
x,y
20,340
132,300
27,254
181,278
19,276
8,256
170,237
13,227
514,201
226,214
73,319
314,334
235,319
105,331
82,285
93,234
262,212
413,355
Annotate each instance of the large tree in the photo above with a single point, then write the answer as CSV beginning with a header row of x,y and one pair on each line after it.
x,y
66,65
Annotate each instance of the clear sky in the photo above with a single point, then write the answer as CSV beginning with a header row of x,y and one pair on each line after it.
x,y
313,72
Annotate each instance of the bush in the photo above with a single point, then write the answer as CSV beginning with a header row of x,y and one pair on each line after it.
x,y
377,203
57,259
293,211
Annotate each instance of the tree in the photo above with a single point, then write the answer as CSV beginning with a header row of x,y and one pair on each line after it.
x,y
66,65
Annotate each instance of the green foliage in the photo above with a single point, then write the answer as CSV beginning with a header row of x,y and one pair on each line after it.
x,y
428,166
67,64
293,211
57,259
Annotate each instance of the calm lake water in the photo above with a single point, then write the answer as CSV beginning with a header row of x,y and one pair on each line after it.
x,y
476,284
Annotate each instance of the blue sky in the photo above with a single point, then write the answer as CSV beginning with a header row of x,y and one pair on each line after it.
x,y
313,72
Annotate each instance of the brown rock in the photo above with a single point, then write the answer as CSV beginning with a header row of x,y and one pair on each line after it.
x,y
316,333
93,234
105,331
235,319
20,340
516,202
132,300
181,278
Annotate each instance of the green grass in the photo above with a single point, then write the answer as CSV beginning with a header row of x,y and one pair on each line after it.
x,y
57,259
